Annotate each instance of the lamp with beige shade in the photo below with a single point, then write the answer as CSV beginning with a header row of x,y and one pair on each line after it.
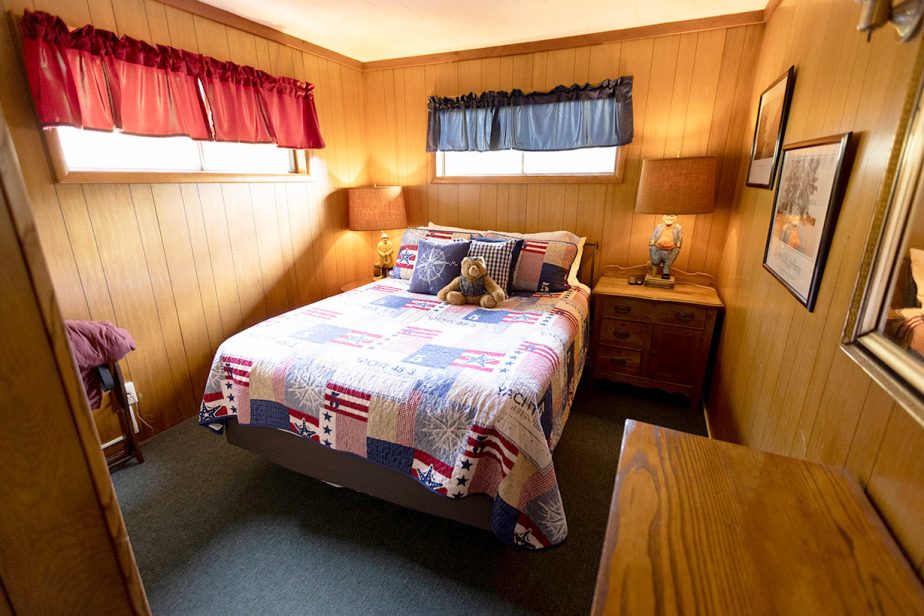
x,y
673,186
376,208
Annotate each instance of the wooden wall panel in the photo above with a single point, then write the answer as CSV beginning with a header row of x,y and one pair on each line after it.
x,y
691,97
184,266
781,383
63,544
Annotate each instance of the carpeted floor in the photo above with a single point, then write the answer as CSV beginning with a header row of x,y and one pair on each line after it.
x,y
217,530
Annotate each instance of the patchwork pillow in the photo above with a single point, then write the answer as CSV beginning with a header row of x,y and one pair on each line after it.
x,y
438,264
544,265
500,256
406,256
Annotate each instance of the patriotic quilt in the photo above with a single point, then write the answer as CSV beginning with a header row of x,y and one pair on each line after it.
x,y
463,399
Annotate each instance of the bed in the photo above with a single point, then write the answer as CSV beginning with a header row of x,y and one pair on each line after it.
x,y
452,410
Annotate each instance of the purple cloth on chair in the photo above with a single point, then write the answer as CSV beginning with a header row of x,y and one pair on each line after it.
x,y
93,344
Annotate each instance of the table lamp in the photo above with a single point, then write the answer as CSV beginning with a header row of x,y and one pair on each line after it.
x,y
673,186
376,208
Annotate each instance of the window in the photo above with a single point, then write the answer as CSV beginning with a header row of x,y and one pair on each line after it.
x,y
86,155
596,164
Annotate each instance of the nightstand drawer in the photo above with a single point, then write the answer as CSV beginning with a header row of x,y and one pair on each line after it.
x,y
625,334
683,315
623,361
631,309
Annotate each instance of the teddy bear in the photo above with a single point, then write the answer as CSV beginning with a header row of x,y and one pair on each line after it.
x,y
474,286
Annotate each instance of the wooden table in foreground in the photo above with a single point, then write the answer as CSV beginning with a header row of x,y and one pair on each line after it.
x,y
699,526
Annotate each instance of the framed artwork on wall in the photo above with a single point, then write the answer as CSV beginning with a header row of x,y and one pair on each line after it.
x,y
808,196
772,111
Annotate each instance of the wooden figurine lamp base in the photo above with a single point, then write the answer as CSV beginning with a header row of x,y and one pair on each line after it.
x,y
376,208
673,186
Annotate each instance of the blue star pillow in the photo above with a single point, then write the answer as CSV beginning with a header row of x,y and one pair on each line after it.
x,y
438,264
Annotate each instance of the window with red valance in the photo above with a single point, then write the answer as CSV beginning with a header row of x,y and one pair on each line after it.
x,y
94,79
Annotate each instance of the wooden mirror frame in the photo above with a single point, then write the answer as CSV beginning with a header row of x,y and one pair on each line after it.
x,y
892,368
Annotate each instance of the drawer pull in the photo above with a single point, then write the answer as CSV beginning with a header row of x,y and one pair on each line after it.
x,y
684,316
618,362
622,309
621,335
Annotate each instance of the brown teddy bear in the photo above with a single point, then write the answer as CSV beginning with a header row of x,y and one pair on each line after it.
x,y
474,286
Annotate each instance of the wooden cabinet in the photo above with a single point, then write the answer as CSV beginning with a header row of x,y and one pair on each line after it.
x,y
654,337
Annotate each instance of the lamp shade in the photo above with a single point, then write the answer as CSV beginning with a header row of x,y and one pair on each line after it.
x,y
677,186
377,207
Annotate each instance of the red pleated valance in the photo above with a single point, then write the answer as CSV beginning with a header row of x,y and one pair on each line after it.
x,y
90,78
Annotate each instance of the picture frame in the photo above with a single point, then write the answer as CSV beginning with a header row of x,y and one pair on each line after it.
x,y
877,333
810,187
772,113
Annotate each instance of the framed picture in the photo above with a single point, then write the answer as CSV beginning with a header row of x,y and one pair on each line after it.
x,y
805,208
772,111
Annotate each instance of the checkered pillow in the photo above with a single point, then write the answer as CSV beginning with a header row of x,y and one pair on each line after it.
x,y
407,251
500,256
438,264
543,265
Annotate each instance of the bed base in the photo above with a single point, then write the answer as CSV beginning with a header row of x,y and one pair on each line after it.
x,y
309,458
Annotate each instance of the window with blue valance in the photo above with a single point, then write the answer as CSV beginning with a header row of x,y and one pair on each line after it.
x,y
565,118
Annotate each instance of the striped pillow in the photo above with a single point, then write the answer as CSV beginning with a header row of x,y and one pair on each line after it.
x,y
543,265
407,251
500,256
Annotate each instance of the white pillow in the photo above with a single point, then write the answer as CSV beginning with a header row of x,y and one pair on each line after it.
x,y
554,236
576,266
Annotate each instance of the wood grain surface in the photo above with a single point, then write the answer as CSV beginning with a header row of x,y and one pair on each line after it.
x,y
704,527
691,96
63,544
781,381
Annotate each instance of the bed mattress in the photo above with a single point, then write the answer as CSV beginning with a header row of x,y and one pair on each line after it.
x,y
463,399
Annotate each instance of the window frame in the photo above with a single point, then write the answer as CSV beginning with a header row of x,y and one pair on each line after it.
x,y
65,175
617,177
902,189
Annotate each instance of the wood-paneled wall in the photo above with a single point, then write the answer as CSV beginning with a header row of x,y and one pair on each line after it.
x,y
691,95
183,266
781,383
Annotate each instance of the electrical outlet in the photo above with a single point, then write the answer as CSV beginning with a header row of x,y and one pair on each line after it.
x,y
130,394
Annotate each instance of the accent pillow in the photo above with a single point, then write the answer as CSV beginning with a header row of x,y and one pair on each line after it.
x,y
407,251
543,265
433,225
438,263
500,256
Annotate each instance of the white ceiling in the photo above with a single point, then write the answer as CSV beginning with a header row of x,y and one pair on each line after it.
x,y
369,30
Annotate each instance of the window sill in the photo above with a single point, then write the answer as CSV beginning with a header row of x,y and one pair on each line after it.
x,y
65,175
173,177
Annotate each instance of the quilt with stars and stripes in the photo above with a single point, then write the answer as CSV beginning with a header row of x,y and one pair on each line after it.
x,y
463,399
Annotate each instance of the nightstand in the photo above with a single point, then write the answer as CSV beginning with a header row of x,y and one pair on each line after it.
x,y
653,337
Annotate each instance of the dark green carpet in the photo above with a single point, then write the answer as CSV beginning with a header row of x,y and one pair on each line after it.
x,y
217,530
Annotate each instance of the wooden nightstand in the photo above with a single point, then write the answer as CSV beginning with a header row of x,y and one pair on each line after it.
x,y
653,337
356,284
698,526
